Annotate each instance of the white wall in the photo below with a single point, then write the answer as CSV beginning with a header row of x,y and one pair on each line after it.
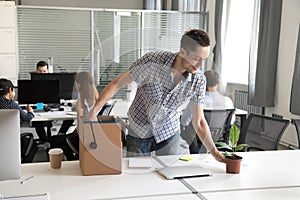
x,y
286,61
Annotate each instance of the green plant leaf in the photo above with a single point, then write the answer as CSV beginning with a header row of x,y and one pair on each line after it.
x,y
223,144
240,147
227,154
234,135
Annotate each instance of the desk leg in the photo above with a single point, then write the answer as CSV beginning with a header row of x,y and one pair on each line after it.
x,y
49,126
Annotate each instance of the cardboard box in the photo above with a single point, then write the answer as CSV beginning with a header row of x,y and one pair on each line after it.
x,y
100,146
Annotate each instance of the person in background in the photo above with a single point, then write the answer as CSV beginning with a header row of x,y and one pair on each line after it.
x,y
88,93
165,81
7,94
213,100
43,67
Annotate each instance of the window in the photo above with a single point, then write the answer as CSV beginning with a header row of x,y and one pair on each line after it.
x,y
237,39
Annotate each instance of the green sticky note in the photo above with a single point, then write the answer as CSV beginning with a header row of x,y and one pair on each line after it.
x,y
186,158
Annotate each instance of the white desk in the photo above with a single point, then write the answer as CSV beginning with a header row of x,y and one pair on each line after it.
x,y
280,179
68,183
264,169
54,115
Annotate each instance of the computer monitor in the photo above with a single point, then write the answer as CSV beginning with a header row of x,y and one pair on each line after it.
x,y
38,91
67,81
10,153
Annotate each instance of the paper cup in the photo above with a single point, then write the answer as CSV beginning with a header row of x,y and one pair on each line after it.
x,y
55,156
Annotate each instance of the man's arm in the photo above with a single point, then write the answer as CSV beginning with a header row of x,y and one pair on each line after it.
x,y
203,132
109,91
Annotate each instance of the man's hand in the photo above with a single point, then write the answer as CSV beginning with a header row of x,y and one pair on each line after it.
x,y
92,115
218,155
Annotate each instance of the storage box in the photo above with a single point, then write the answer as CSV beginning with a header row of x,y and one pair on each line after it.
x,y
100,146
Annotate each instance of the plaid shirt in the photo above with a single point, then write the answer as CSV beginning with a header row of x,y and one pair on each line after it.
x,y
155,108
11,104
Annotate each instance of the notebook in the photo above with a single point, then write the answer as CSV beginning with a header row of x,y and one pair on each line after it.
x,y
184,171
10,155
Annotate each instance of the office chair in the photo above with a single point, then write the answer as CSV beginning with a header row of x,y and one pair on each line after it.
x,y
219,122
262,132
297,125
28,147
73,139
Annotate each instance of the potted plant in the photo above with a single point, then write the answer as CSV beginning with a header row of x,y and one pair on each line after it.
x,y
233,161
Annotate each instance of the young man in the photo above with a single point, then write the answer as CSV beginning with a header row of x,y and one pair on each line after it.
x,y
165,82
42,67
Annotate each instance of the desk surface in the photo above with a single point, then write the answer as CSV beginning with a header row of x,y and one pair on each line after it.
x,y
54,115
264,169
261,172
68,183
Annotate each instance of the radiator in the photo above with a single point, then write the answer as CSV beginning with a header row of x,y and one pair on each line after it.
x,y
241,102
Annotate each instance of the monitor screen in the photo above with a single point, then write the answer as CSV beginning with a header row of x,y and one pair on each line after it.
x,y
38,91
67,80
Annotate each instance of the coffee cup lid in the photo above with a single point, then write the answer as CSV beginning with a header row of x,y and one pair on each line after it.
x,y
55,151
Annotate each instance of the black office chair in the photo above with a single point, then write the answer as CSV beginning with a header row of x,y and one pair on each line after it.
x,y
28,147
73,139
262,132
297,125
219,122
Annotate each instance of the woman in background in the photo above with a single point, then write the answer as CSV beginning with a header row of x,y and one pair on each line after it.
x,y
87,97
88,93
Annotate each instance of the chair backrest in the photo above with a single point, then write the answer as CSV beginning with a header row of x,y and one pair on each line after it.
x,y
219,122
262,132
297,125
28,147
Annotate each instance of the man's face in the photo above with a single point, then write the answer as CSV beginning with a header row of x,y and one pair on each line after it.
x,y
194,59
42,69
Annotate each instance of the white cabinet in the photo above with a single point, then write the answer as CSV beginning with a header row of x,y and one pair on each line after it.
x,y
8,41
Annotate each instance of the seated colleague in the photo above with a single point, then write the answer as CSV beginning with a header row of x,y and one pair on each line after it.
x,y
7,93
213,100
43,67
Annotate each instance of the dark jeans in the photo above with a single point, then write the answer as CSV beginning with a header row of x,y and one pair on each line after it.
x,y
137,146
